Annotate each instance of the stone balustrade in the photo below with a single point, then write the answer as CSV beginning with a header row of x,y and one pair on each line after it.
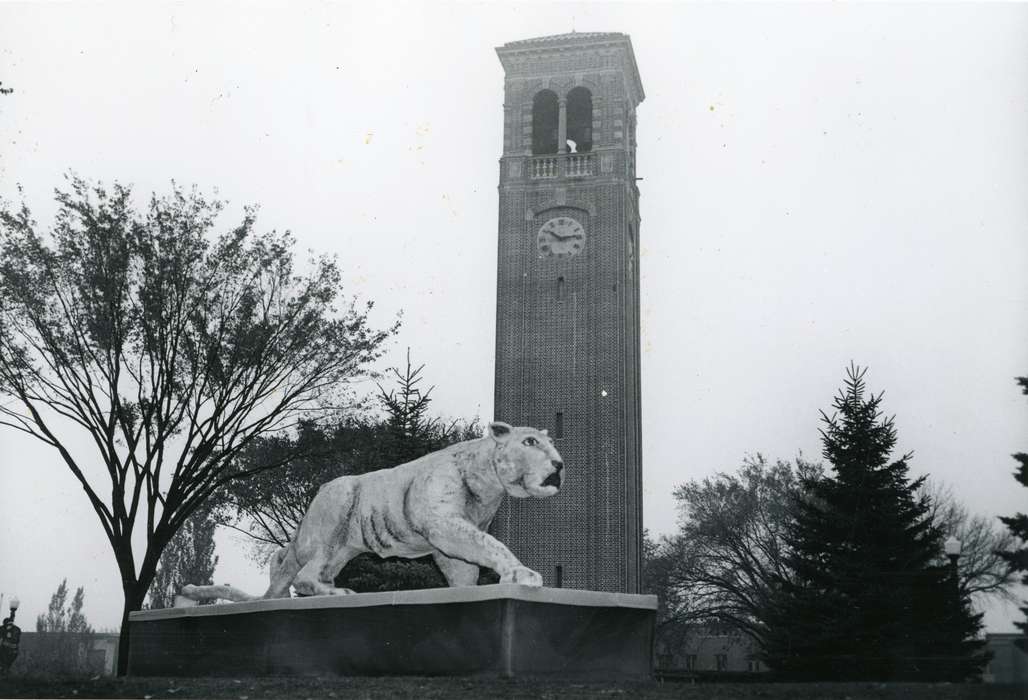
x,y
563,165
578,164
544,167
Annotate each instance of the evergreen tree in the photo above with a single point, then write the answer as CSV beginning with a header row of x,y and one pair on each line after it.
x,y
1018,526
188,558
409,431
865,599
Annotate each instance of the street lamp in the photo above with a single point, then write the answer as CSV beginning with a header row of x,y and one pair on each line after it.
x,y
952,547
14,606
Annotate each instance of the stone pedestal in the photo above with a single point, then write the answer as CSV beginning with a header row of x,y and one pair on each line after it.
x,y
499,630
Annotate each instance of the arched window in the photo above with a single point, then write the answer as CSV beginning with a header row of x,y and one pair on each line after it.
x,y
580,119
545,117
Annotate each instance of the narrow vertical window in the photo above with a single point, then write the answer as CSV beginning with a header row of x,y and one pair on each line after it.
x,y
558,425
630,269
559,576
560,289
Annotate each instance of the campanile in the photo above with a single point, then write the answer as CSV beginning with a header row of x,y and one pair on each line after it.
x,y
567,306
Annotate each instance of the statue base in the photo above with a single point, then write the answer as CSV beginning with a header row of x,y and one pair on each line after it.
x,y
503,630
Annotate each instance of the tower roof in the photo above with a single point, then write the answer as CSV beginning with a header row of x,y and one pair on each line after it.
x,y
570,37
522,56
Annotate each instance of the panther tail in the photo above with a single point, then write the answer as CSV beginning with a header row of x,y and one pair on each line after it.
x,y
202,593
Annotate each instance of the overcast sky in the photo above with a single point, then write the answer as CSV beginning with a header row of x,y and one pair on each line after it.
x,y
822,183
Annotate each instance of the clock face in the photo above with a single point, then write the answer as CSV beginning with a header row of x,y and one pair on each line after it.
x,y
561,236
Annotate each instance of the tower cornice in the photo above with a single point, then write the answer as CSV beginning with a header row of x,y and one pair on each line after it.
x,y
580,51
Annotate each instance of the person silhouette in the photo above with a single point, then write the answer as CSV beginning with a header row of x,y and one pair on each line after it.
x,y
10,638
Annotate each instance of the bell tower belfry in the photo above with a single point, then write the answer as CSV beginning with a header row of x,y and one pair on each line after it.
x,y
567,307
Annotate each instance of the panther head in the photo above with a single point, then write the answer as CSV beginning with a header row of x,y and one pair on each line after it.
x,y
527,463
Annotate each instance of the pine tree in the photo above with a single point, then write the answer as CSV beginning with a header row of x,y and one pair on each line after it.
x,y
864,600
410,433
1018,526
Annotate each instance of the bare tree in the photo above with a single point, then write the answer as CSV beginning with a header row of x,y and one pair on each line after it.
x,y
982,570
662,562
729,550
168,348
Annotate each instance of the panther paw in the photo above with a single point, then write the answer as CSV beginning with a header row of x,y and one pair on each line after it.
x,y
524,576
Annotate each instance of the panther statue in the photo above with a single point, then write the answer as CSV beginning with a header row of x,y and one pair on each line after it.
x,y
440,504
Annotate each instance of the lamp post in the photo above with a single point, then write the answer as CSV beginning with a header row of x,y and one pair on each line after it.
x,y
952,548
14,606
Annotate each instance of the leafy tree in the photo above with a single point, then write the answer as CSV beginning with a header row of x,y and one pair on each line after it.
x,y
1017,559
170,349
62,616
863,599
269,507
188,558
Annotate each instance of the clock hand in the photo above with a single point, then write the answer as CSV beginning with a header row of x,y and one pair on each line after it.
x,y
564,238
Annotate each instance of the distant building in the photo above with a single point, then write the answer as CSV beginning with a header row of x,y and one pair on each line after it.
x,y
712,649
705,649
97,653
1009,662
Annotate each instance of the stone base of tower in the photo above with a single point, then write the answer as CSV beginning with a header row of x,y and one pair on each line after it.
x,y
503,630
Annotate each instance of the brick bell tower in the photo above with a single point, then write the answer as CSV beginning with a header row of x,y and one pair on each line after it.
x,y
567,306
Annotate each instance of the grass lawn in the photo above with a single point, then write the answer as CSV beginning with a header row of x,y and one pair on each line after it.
x,y
446,688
